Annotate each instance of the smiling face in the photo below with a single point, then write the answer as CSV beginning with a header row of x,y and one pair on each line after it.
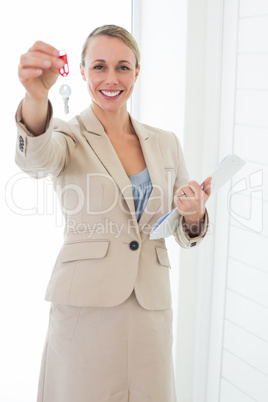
x,y
110,72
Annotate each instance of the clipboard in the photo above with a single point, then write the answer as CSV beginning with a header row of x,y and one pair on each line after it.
x,y
167,224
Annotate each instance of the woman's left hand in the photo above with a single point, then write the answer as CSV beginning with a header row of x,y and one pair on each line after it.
x,y
190,200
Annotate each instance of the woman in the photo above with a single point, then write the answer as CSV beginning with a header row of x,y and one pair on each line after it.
x,y
110,329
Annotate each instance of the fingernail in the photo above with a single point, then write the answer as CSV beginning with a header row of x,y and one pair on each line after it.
x,y
46,63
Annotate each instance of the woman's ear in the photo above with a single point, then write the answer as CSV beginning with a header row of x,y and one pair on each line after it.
x,y
137,72
82,71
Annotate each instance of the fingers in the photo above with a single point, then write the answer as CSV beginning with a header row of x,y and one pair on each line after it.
x,y
25,74
190,199
43,47
190,190
207,186
193,189
196,189
40,60
187,196
39,57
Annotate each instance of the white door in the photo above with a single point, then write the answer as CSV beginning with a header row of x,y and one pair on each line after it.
x,y
238,353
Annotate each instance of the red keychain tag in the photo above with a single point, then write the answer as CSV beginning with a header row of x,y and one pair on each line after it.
x,y
64,71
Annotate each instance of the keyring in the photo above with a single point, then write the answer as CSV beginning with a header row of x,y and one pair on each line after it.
x,y
64,71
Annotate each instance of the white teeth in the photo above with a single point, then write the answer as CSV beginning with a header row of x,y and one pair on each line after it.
x,y
111,94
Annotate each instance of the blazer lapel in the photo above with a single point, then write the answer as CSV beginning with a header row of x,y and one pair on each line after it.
x,y
155,165
102,147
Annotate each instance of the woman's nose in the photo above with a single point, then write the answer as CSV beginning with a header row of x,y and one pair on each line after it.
x,y
111,78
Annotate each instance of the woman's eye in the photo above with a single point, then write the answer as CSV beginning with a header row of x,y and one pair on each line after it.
x,y
98,67
124,68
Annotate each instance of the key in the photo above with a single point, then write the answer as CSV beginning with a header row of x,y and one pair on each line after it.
x,y
65,92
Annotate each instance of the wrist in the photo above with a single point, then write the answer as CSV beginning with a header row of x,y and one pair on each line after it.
x,y
34,114
193,220
40,100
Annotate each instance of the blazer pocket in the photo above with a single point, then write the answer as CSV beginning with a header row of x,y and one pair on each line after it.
x,y
162,256
83,250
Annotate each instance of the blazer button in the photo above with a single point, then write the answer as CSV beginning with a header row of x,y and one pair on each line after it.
x,y
134,245
21,143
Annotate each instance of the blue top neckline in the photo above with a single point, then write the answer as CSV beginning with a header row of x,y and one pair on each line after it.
x,y
141,190
140,178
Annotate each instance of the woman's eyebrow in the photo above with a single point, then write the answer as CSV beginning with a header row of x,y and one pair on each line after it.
x,y
104,61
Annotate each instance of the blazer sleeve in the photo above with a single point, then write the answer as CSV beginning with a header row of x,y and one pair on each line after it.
x,y
46,154
182,177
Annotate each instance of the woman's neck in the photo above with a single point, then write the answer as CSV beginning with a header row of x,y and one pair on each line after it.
x,y
114,123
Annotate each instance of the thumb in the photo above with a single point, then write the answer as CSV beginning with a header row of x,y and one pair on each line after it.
x,y
207,186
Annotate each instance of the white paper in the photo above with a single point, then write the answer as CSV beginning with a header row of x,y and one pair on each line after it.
x,y
168,223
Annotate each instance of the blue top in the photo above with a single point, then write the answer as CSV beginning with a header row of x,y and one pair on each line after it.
x,y
141,189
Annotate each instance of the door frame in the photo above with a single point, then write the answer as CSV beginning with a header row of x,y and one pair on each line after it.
x,y
222,217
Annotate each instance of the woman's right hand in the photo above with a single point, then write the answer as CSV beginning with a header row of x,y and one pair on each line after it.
x,y
39,69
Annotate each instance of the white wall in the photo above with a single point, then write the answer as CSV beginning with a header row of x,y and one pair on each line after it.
x,y
160,29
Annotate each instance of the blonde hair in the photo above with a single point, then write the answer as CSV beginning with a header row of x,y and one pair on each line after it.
x,y
116,32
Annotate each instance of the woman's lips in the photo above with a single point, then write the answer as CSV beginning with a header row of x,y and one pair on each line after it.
x,y
111,94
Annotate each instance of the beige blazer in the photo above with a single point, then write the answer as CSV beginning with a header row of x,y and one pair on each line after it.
x,y
106,253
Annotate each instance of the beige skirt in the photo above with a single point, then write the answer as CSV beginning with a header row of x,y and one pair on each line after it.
x,y
110,354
